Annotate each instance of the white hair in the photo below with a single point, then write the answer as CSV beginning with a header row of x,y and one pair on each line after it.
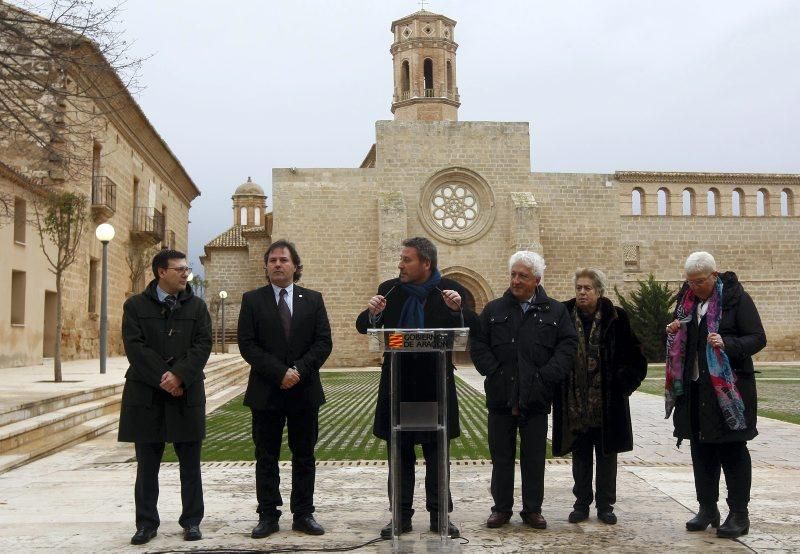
x,y
599,279
530,259
700,262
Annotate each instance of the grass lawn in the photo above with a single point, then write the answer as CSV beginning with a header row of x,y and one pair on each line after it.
x,y
345,424
778,390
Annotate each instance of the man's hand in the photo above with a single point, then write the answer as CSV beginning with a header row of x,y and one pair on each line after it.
x,y
376,304
290,379
172,383
452,299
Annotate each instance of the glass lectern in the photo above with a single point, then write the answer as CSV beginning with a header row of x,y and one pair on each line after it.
x,y
428,415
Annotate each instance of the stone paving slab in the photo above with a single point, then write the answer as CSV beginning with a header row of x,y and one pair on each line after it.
x,y
81,500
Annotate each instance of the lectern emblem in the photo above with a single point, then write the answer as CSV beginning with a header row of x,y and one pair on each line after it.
x,y
395,340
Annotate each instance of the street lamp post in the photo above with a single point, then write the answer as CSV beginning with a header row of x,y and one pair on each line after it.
x,y
104,233
222,296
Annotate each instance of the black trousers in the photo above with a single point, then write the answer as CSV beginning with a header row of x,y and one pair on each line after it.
x,y
408,460
303,431
503,427
148,458
585,445
709,459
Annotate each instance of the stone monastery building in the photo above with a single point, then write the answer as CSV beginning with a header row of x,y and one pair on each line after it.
x,y
468,186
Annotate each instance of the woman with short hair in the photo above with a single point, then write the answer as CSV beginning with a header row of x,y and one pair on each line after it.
x,y
591,413
711,387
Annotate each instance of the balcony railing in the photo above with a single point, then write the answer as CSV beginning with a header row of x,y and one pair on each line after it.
x,y
104,197
427,93
148,224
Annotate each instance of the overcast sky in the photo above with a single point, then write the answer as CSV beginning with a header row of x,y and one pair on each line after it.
x,y
239,87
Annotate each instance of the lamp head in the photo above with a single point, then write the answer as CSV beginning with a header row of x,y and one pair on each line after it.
x,y
223,294
105,232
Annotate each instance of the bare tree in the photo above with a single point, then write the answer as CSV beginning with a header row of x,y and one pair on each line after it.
x,y
61,219
139,258
64,67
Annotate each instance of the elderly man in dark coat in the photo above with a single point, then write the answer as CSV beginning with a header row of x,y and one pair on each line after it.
x,y
524,349
711,385
167,335
591,413
419,298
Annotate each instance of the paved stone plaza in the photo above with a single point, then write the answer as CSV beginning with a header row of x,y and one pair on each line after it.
x,y
81,500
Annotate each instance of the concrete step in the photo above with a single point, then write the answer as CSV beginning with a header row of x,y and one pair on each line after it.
x,y
56,428
13,414
44,446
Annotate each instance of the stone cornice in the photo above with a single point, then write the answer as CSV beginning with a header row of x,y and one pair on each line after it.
x,y
424,100
19,179
423,42
705,178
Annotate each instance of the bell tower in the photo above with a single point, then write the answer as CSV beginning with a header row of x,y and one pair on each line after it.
x,y
424,58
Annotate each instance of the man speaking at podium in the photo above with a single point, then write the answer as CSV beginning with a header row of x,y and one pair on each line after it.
x,y
419,298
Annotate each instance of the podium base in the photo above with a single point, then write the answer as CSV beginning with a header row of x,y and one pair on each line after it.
x,y
413,544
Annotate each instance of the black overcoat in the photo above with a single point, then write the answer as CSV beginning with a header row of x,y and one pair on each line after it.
x,y
418,370
523,357
622,367
263,344
157,340
743,336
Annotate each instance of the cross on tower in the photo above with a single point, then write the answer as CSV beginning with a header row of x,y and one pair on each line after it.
x,y
421,4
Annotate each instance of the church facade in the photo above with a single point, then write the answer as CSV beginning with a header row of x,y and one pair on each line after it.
x,y
468,186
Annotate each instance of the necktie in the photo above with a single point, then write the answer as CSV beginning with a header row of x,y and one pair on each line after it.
x,y
286,315
524,306
170,300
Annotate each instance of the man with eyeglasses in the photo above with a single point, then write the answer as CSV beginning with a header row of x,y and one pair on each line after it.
x,y
167,335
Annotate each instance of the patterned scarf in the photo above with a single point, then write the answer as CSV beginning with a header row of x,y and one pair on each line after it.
x,y
584,402
412,316
722,377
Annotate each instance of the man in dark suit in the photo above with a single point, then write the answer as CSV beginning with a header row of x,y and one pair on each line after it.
x,y
418,298
285,336
167,335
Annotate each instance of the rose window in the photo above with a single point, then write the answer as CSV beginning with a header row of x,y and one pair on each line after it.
x,y
454,207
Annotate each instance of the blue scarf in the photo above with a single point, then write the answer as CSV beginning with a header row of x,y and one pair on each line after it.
x,y
413,314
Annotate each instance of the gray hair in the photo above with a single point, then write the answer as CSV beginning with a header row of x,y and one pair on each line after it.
x,y
531,259
599,279
425,249
700,262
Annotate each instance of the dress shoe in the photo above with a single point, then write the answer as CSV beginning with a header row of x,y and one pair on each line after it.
x,y
192,533
308,525
264,529
536,521
736,525
405,527
452,531
497,519
608,517
576,515
143,535
708,515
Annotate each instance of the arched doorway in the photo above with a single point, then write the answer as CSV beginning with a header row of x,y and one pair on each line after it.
x,y
478,293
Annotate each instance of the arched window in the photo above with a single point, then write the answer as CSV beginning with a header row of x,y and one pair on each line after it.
x,y
637,201
427,69
687,202
662,199
449,78
786,203
257,216
405,81
712,202
762,202
737,202
243,216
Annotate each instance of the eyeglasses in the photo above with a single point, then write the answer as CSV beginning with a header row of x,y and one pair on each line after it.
x,y
184,269
698,282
